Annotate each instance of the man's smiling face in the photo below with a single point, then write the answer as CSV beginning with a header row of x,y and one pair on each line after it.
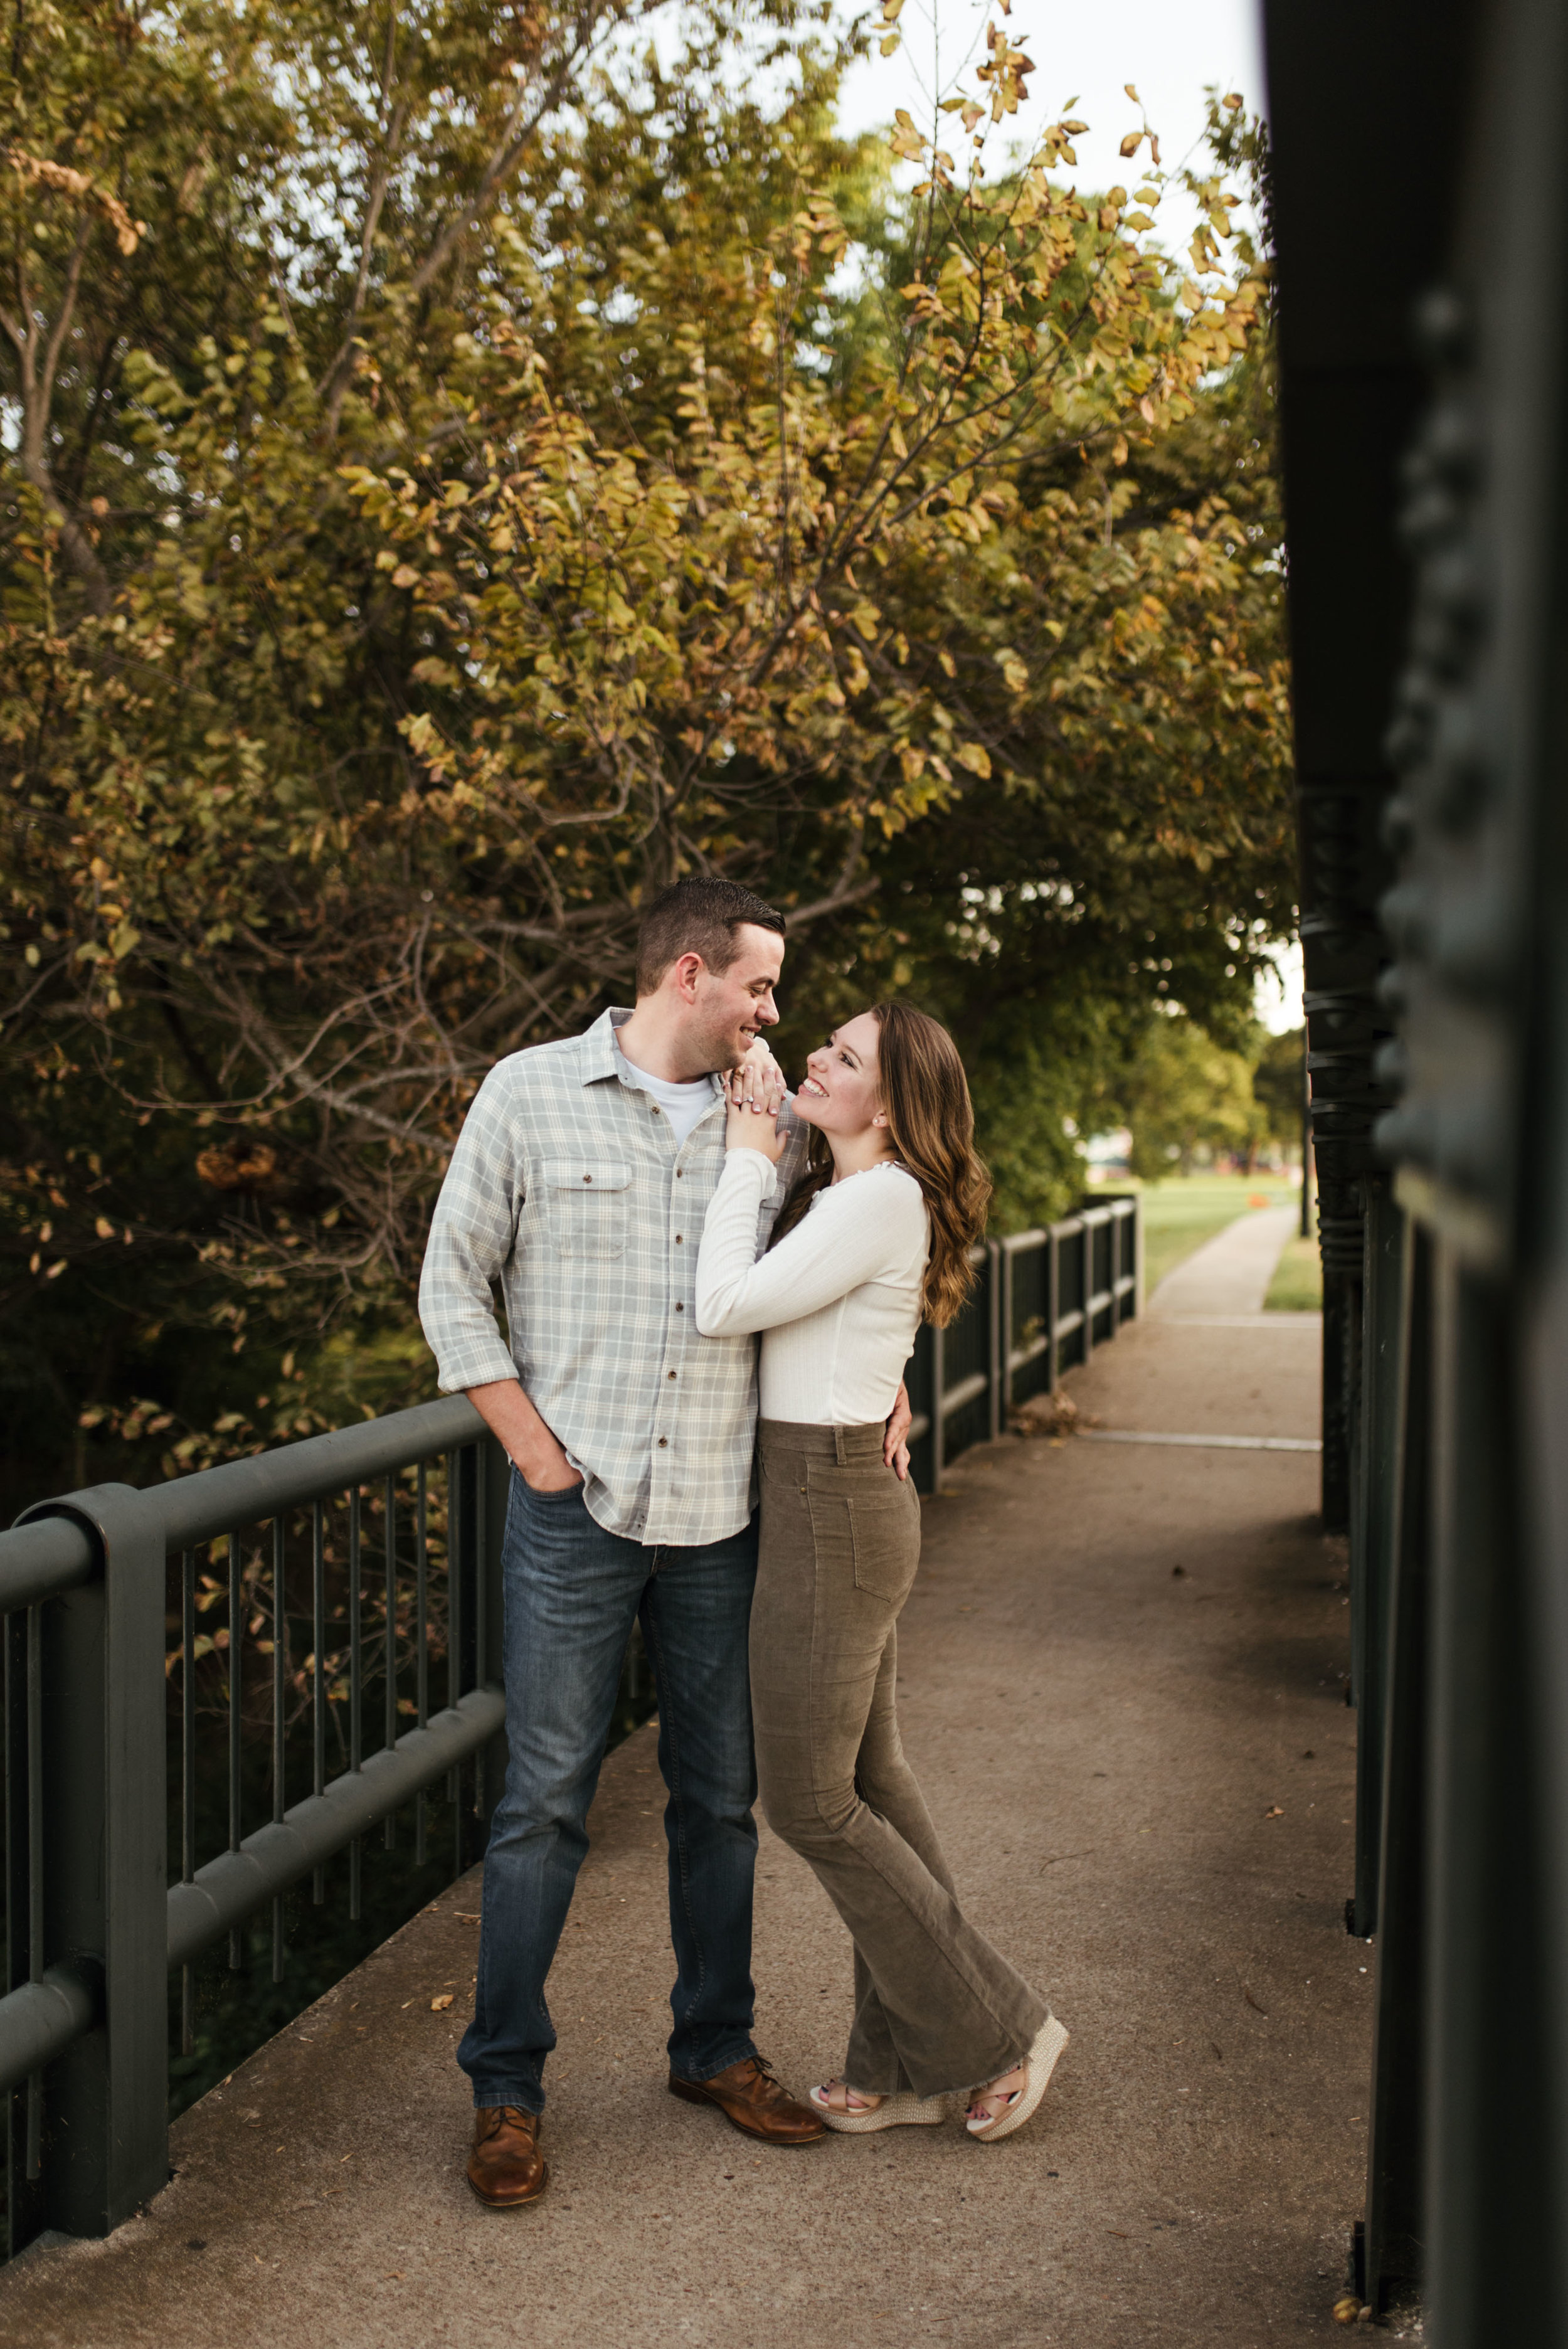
x,y
734,1007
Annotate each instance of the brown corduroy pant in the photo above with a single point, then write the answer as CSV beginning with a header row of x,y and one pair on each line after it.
x,y
936,2007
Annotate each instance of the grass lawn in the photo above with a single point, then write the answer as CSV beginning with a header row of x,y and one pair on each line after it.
x,y
1182,1212
1297,1284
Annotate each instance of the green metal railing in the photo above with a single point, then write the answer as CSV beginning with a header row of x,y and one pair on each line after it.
x,y
1042,1302
93,1924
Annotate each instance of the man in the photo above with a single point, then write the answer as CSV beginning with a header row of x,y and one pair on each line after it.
x,y
580,1181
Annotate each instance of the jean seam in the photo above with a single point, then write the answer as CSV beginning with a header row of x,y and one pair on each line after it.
x,y
672,1781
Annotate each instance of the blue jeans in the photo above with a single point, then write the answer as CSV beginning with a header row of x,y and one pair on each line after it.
x,y
573,1592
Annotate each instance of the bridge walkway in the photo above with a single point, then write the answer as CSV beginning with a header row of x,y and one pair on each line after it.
x,y
1123,1689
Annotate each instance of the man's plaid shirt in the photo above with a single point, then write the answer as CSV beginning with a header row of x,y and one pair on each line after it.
x,y
567,1187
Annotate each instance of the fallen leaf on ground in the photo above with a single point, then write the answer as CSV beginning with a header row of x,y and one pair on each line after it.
x,y
439,2005
1274,1812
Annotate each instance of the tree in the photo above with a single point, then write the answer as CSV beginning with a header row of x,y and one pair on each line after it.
x,y
1184,1093
1277,1085
439,518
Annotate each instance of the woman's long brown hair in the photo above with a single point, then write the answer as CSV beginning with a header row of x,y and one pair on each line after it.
x,y
930,1121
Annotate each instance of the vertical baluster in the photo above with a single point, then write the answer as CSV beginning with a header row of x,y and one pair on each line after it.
x,y
455,1634
188,1760
390,1830
236,1725
481,1653
457,1542
318,1672
422,1641
13,1652
355,1691
280,1688
35,1866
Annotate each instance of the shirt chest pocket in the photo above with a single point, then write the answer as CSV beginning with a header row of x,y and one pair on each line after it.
x,y
588,1206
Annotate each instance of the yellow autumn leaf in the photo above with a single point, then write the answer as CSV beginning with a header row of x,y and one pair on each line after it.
x,y
975,757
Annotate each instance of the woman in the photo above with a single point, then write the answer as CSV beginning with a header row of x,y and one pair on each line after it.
x,y
876,1232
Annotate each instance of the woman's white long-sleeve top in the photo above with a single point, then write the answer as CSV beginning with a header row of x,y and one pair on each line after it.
x,y
838,1300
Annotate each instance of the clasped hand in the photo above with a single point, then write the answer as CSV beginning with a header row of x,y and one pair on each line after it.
x,y
754,1094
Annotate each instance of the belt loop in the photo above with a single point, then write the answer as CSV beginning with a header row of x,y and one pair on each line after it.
x,y
839,1449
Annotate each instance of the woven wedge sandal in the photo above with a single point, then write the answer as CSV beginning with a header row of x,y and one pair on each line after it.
x,y
1024,2103
904,2110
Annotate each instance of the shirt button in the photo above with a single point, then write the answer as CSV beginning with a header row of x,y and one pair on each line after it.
x,y
672,1374
587,1178
655,1109
663,1441
680,1308
679,1172
677,1239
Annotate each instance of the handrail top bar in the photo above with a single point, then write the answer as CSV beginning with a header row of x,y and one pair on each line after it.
x,y
215,1500
1083,1219
41,1560
53,1554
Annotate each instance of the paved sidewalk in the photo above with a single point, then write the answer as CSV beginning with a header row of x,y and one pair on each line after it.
x,y
1232,1272
1122,1687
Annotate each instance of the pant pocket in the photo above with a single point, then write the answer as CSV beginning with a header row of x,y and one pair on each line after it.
x,y
884,1532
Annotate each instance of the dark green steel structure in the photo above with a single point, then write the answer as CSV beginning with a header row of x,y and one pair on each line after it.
x,y
1420,217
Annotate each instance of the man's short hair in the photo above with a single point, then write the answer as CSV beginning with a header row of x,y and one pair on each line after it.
x,y
697,916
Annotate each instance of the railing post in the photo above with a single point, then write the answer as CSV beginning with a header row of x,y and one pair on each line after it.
x,y
1372,1563
938,1423
1139,1291
998,1361
1053,1307
1393,2251
490,1619
1086,1246
105,2139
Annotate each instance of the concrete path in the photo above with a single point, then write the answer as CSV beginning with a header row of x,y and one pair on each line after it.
x,y
1123,1688
1232,1272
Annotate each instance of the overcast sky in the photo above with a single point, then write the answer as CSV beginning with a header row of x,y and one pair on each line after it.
x,y
1169,49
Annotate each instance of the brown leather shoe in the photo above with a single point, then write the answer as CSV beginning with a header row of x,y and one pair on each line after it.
x,y
506,2169
751,2100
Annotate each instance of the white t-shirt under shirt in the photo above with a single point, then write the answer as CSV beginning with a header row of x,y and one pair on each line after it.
x,y
838,1299
682,1105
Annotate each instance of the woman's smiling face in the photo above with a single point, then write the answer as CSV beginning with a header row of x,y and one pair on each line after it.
x,y
839,1092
